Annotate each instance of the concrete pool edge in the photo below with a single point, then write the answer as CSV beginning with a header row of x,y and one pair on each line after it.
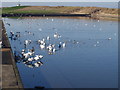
x,y
7,67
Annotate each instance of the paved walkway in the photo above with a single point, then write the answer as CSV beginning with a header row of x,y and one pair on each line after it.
x,y
9,76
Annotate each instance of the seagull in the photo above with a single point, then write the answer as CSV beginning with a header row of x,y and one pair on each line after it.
x,y
36,57
26,42
56,35
54,49
98,42
64,45
30,59
48,38
30,53
38,64
42,46
0,44
40,56
50,47
26,55
23,51
109,38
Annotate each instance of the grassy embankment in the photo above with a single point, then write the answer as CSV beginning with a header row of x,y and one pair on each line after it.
x,y
94,11
35,10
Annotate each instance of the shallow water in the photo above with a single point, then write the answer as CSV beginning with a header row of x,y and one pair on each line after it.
x,y
89,59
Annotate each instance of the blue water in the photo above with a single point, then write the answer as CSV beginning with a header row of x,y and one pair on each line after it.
x,y
86,64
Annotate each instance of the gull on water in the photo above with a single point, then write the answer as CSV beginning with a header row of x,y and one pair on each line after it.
x,y
38,64
64,45
56,35
37,57
109,38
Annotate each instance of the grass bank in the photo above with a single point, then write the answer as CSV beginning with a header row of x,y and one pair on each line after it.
x,y
95,12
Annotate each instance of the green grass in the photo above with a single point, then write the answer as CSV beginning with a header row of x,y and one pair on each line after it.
x,y
35,12
9,10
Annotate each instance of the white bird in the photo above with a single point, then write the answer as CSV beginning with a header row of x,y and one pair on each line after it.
x,y
42,42
36,57
30,59
40,56
38,64
54,49
23,51
98,42
64,45
40,29
60,42
30,53
26,55
42,46
53,45
109,38
27,42
50,47
48,38
0,44
56,35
